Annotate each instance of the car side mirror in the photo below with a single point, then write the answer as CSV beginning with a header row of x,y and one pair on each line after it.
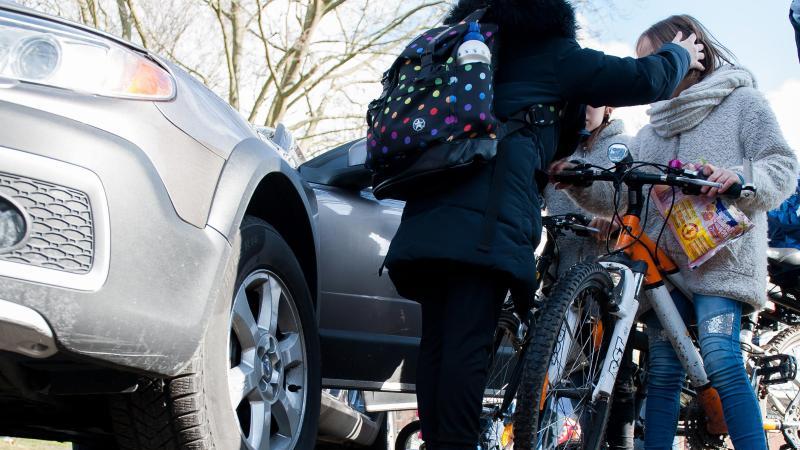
x,y
283,137
357,154
355,175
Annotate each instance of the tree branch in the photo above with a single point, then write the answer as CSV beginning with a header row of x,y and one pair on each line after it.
x,y
137,23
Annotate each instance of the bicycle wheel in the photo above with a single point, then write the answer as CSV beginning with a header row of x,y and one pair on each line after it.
x,y
780,398
563,363
505,370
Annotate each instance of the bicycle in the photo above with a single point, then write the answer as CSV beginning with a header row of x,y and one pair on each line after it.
x,y
513,336
571,368
773,366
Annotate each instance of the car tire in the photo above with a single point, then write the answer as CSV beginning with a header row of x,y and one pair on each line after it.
x,y
273,366
406,434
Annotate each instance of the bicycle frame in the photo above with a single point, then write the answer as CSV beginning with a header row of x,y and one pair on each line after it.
x,y
639,248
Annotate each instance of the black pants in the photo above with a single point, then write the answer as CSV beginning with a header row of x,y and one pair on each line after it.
x,y
458,326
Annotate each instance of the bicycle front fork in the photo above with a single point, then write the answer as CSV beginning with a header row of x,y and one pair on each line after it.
x,y
623,307
678,335
624,312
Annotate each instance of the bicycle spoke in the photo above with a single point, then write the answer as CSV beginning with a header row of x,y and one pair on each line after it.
x,y
569,395
505,366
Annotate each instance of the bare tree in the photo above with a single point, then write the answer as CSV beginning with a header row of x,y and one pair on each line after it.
x,y
309,69
312,64
306,62
233,21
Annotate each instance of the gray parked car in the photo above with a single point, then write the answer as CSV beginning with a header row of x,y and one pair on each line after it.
x,y
167,280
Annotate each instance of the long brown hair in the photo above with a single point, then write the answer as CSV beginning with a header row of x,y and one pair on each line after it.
x,y
665,31
588,144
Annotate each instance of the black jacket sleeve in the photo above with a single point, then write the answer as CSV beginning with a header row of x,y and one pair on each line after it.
x,y
796,26
592,77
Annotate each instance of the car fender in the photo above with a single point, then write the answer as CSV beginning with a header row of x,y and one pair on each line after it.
x,y
251,164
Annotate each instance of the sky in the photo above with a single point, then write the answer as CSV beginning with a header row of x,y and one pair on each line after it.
x,y
757,31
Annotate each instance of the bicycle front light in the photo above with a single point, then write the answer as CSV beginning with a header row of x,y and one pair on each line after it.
x,y
618,153
42,52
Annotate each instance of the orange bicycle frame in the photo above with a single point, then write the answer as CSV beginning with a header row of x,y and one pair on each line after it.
x,y
638,246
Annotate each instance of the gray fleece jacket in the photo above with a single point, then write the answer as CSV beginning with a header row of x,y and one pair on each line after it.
x,y
720,121
572,248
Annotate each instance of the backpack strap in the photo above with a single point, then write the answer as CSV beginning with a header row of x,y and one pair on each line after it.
x,y
427,55
539,115
476,15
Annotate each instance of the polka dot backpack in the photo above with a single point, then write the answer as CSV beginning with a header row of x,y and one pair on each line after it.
x,y
434,120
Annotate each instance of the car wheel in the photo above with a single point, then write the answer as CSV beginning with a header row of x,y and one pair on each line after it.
x,y
409,438
255,382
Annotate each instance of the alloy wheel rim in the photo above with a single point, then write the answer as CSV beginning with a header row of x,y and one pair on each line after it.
x,y
268,373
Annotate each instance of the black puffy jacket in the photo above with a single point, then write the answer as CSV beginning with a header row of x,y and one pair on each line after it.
x,y
539,62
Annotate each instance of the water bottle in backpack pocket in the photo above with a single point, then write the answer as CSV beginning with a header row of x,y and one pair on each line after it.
x,y
434,120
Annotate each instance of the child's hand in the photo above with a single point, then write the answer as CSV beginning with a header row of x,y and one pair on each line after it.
x,y
605,226
558,167
718,175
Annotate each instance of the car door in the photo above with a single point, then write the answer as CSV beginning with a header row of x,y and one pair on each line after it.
x,y
369,334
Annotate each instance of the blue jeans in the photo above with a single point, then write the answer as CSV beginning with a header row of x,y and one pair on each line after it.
x,y
718,323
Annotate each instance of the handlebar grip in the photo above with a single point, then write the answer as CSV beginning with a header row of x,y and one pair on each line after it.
x,y
575,178
566,176
735,191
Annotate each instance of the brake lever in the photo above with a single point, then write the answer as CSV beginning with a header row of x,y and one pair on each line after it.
x,y
579,219
585,228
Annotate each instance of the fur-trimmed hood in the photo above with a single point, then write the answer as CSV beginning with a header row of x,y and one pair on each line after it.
x,y
531,18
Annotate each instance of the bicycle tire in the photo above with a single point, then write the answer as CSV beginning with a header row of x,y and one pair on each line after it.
x,y
784,338
783,343
503,378
579,279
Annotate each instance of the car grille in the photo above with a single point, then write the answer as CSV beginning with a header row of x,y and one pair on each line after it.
x,y
61,229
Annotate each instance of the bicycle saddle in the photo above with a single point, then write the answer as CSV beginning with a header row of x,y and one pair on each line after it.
x,y
784,256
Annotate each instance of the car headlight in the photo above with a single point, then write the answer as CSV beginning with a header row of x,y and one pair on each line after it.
x,y
13,226
38,51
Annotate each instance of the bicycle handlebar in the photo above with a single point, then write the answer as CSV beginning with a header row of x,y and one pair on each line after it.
x,y
690,182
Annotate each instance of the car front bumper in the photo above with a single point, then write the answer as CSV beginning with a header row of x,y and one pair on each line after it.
x,y
115,272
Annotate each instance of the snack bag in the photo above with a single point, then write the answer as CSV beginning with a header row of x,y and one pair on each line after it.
x,y
702,225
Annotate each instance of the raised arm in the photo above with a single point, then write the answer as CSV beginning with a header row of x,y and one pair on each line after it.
x,y
794,18
613,81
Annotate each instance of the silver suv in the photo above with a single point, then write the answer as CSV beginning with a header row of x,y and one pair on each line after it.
x,y
159,262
